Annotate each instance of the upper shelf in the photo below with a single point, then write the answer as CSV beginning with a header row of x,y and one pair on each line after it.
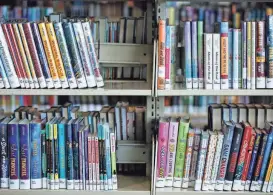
x,y
217,1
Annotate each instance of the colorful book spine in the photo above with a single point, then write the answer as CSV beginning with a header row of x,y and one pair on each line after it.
x,y
216,160
168,58
253,55
180,151
34,55
216,61
7,61
92,53
101,157
70,156
98,183
253,159
23,56
173,53
108,156
268,173
28,55
194,57
172,142
25,152
208,55
258,165
240,70
249,55
42,56
75,147
228,129
14,149
188,157
206,185
56,157
44,158
187,57
224,55
95,172
270,181
4,173
62,154
235,55
57,54
4,82
260,55
230,58
113,160
90,78
49,55
48,157
74,54
51,183
162,153
90,160
242,157
269,73
201,160
200,54
65,55
244,55
81,152
161,54
247,160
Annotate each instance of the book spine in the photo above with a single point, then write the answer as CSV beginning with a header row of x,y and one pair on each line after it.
x,y
269,73
260,55
113,160
34,55
200,54
70,156
44,159
75,56
201,161
14,149
90,78
13,53
235,65
42,56
92,53
194,159
241,159
188,65
4,173
253,55
270,182
57,54
62,156
240,78
208,60
253,161
65,55
257,171
230,58
209,162
23,56
4,82
173,53
194,55
247,161
249,55
90,160
108,157
161,54
244,55
124,123
95,172
97,164
7,61
216,61
86,165
56,157
28,55
24,156
80,160
265,161
168,58
162,154
75,146
224,55
173,132
51,158
118,122
48,157
268,173
188,155
228,133
216,161
49,55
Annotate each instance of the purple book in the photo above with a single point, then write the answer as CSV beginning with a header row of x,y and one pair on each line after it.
x,y
81,159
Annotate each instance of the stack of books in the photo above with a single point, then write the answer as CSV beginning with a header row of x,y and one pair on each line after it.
x,y
234,152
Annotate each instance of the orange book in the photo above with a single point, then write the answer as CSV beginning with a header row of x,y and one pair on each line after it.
x,y
161,54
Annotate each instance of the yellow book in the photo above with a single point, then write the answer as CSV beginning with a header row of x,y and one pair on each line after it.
x,y
49,55
268,172
56,53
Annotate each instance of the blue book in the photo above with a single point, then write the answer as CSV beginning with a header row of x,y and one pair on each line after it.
x,y
14,148
187,57
194,55
62,128
69,152
4,82
108,156
101,155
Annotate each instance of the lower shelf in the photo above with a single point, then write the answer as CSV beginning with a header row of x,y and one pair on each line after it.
x,y
190,191
126,185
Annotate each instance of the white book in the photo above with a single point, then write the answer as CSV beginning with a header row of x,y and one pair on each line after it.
x,y
216,61
90,77
253,55
235,71
208,77
14,184
76,184
70,184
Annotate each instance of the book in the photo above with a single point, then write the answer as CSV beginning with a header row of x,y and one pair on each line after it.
x,y
216,61
200,54
194,55
187,54
249,55
253,55
244,55
161,54
208,56
224,55
168,64
260,55
230,58
235,70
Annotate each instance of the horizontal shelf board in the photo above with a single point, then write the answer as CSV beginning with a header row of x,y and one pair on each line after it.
x,y
190,191
210,92
217,1
127,185
110,89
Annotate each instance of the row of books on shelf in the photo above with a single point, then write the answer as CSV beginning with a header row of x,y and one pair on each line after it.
x,y
226,59
236,157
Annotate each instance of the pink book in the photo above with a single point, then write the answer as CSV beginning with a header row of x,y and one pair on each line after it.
x,y
97,176
90,161
163,134
173,132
